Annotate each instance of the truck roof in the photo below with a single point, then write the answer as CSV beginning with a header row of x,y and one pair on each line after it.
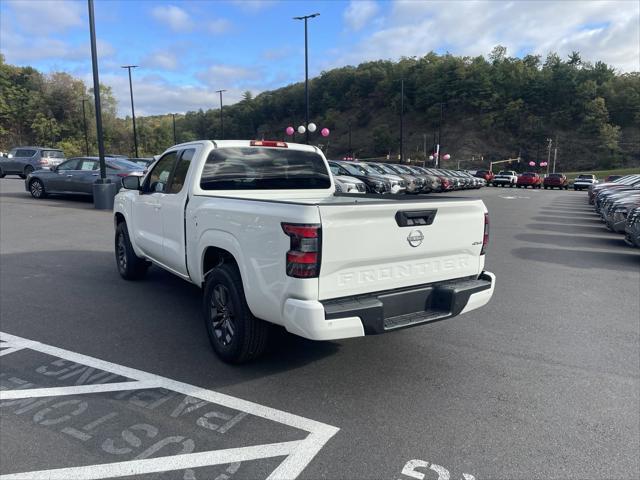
x,y
247,143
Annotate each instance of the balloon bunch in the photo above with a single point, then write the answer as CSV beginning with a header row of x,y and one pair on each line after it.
x,y
312,128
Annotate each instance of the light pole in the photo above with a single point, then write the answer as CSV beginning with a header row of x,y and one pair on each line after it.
x,y
548,153
306,71
175,141
86,135
402,121
221,117
350,149
103,190
133,112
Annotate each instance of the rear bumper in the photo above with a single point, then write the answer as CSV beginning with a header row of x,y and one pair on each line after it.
x,y
382,312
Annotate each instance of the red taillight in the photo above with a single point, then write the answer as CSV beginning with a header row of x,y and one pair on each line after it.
x,y
485,236
268,143
303,258
43,161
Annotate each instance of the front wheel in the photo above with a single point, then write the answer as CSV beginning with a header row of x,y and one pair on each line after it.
x,y
2,174
235,334
36,188
130,266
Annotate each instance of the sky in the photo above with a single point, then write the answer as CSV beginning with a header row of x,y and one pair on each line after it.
x,y
187,49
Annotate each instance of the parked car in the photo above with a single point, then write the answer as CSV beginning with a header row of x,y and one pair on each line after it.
x,y
505,178
632,227
604,194
287,252
432,182
397,180
345,183
529,179
584,180
615,216
594,189
77,176
374,183
487,175
611,178
143,162
416,182
22,161
556,180
445,183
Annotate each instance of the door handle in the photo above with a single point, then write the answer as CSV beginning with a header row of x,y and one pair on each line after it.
x,y
95,174
69,176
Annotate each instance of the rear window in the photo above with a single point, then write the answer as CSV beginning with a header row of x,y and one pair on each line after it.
x,y
555,175
505,172
118,164
586,177
255,168
52,154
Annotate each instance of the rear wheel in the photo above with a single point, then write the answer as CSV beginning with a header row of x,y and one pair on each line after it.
x,y
235,334
27,170
130,266
2,174
36,188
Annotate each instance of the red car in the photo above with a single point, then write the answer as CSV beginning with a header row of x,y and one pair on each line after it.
x,y
529,179
554,180
486,174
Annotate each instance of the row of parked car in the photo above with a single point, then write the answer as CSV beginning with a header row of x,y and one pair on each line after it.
x,y
618,204
382,178
509,178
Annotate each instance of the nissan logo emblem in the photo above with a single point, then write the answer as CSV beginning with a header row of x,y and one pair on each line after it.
x,y
415,238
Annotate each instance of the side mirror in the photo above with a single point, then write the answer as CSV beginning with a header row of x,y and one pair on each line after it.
x,y
131,182
54,169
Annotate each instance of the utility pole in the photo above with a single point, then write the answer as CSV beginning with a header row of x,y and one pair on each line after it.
x,y
548,153
133,112
86,135
350,149
439,145
175,141
221,116
555,155
424,148
402,121
306,72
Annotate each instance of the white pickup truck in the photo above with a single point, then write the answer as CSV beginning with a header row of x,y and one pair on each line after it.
x,y
258,225
505,178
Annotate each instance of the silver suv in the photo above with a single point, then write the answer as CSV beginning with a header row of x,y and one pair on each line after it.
x,y
22,161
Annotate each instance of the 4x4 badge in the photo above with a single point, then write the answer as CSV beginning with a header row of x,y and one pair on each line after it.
x,y
415,238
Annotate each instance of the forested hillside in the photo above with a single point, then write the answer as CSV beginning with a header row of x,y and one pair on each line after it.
x,y
491,108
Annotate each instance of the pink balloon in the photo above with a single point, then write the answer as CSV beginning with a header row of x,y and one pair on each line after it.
x,y
289,130
324,132
532,164
543,164
447,156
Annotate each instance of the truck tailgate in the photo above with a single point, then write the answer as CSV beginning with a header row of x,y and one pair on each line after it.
x,y
377,246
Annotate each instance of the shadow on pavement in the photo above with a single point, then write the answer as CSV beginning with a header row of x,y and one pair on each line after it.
x,y
568,220
81,296
571,241
577,229
585,259
570,213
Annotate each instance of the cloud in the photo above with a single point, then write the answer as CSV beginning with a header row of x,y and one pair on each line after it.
x,y
175,17
219,26
607,31
163,60
47,16
359,12
155,96
253,6
219,76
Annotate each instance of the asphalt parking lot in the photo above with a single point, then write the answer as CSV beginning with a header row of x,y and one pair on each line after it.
x,y
544,382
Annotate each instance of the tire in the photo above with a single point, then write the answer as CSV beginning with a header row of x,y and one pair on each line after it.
x,y
511,185
545,187
2,174
235,334
36,188
566,187
27,170
130,266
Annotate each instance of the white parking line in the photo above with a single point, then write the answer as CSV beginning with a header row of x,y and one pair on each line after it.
x,y
298,453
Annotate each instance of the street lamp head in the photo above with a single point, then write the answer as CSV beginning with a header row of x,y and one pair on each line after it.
x,y
304,17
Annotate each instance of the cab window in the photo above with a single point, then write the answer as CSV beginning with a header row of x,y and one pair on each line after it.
x,y
182,168
159,176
